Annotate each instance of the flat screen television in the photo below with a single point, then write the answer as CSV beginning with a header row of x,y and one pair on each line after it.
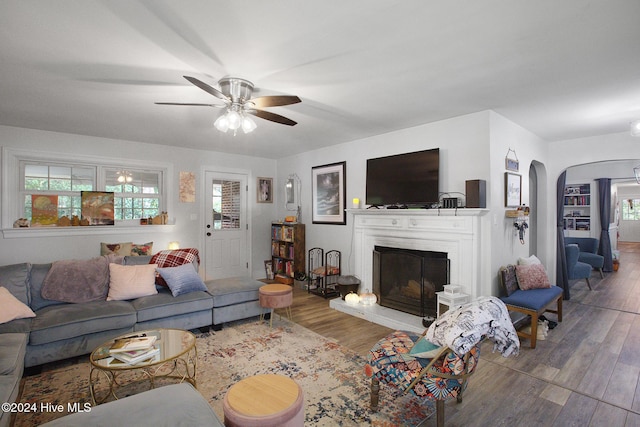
x,y
409,179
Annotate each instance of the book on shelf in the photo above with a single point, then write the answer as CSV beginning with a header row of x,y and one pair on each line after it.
x,y
132,343
136,356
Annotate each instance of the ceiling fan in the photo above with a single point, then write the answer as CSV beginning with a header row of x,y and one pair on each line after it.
x,y
236,94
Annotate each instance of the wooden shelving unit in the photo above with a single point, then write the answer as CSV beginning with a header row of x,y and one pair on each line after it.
x,y
577,209
287,250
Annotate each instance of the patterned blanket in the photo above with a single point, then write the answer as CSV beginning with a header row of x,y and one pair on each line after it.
x,y
461,329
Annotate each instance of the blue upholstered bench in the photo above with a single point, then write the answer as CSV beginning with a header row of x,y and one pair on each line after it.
x,y
532,302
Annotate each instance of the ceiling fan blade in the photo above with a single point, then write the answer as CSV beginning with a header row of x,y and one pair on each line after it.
x,y
189,104
274,101
205,87
268,115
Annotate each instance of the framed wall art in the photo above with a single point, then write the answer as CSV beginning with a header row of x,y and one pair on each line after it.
x,y
512,190
328,194
97,207
265,190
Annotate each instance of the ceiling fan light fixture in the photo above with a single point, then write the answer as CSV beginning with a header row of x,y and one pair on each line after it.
x,y
635,128
222,123
235,120
248,125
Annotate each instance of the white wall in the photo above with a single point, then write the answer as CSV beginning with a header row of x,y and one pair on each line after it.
x,y
505,244
464,155
188,217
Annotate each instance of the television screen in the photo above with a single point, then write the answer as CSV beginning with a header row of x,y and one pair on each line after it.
x,y
406,179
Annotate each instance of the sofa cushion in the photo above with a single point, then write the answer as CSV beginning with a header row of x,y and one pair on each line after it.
x,y
12,307
58,322
233,290
532,276
16,326
131,281
12,350
182,279
136,260
38,273
142,249
174,258
15,278
77,281
121,249
164,305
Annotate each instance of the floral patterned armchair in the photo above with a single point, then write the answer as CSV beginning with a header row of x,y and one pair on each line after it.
x,y
437,365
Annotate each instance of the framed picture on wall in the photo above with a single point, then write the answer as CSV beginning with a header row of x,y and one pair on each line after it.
x,y
512,190
265,190
328,194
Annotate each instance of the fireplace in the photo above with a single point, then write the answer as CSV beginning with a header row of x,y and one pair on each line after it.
x,y
455,232
408,279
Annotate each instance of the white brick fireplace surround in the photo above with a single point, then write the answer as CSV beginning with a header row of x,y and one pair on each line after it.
x,y
454,231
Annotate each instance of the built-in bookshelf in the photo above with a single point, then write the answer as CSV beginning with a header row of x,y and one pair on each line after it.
x,y
577,209
287,249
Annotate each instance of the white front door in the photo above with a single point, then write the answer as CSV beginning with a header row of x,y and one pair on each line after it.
x,y
226,229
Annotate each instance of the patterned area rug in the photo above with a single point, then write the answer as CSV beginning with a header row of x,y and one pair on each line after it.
x,y
336,389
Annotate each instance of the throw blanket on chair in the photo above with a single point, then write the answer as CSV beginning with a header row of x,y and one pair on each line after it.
x,y
77,281
461,329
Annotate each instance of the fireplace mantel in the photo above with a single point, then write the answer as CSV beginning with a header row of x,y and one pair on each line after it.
x,y
457,232
454,231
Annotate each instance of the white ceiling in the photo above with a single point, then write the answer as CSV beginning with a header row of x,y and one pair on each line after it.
x,y
562,69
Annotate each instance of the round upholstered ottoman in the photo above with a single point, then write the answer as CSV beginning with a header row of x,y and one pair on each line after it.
x,y
264,401
275,296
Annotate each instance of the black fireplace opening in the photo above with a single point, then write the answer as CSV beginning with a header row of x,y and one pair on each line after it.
x,y
408,279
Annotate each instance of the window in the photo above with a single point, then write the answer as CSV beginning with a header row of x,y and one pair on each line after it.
x,y
631,209
65,181
226,204
138,193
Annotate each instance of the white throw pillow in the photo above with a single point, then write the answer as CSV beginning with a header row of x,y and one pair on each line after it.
x,y
12,307
532,260
131,281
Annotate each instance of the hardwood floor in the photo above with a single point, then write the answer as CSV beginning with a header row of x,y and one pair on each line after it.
x,y
584,374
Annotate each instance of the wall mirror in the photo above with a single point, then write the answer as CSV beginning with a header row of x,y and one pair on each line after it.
x,y
292,192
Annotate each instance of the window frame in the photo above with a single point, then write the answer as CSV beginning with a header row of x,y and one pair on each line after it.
x,y
13,182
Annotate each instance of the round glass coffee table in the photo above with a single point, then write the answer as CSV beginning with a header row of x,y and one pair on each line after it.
x,y
177,359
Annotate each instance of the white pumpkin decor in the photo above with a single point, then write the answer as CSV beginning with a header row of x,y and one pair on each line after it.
x,y
368,298
351,298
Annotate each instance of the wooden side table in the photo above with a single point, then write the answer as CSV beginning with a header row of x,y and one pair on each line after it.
x,y
447,300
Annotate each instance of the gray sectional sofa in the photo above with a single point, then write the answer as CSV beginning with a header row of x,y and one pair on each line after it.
x,y
64,330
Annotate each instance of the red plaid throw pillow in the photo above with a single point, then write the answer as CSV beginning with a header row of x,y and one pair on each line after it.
x,y
174,258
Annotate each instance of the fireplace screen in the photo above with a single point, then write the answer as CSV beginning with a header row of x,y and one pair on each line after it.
x,y
407,279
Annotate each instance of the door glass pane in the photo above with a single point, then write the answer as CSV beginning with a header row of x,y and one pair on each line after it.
x,y
225,196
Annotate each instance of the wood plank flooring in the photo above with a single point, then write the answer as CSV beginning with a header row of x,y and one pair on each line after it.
x,y
586,373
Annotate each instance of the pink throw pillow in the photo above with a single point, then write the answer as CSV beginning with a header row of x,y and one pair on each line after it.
x,y
532,276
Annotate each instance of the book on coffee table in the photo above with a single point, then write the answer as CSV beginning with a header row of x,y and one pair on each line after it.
x,y
136,356
132,344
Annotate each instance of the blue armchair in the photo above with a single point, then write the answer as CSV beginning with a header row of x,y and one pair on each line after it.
x,y
576,269
588,251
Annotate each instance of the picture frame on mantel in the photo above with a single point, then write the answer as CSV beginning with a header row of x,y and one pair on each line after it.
x,y
512,190
328,194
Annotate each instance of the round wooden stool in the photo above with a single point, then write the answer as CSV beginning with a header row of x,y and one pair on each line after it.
x,y
275,296
264,401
